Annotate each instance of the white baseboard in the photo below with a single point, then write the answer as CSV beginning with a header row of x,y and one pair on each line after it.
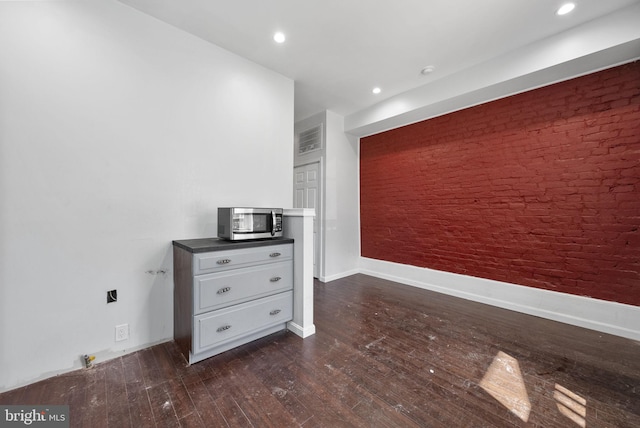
x,y
338,275
600,315
301,331
101,357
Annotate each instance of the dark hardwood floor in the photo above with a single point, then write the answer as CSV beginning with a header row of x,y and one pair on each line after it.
x,y
384,355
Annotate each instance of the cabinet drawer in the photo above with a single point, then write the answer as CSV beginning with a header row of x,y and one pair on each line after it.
x,y
217,261
224,325
217,290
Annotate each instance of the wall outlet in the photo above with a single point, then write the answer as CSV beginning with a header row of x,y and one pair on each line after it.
x,y
122,332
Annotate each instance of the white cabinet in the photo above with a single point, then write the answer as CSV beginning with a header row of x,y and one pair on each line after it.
x,y
229,293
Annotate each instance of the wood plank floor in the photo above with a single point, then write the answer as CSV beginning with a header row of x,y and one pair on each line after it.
x,y
384,355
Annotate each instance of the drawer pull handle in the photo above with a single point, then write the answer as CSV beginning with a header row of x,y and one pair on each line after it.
x,y
223,261
224,290
275,312
223,328
275,279
275,255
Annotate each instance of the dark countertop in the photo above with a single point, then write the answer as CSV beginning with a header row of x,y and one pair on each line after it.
x,y
215,244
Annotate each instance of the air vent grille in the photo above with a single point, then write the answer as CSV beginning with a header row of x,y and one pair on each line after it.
x,y
310,140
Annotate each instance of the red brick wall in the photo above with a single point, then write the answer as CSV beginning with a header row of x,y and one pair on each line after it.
x,y
540,189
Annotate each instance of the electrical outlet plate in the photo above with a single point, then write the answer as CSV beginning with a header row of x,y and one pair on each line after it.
x,y
122,332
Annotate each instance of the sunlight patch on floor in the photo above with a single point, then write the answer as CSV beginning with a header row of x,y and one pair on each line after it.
x,y
571,405
503,381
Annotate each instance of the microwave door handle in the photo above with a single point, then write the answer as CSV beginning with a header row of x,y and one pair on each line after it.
x,y
273,223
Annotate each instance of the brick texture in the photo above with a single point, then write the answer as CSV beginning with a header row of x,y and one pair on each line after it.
x,y
540,189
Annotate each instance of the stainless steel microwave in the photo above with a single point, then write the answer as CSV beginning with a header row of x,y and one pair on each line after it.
x,y
249,223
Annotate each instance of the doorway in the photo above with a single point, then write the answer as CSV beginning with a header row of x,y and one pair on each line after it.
x,y
306,194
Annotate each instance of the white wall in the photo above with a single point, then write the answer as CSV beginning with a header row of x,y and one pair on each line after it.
x,y
342,236
118,134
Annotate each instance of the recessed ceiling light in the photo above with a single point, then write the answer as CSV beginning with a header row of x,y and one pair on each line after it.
x,y
279,37
565,8
376,90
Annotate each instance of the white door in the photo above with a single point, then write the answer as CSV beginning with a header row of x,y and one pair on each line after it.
x,y
306,190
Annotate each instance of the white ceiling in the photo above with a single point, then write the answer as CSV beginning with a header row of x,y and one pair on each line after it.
x,y
337,50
